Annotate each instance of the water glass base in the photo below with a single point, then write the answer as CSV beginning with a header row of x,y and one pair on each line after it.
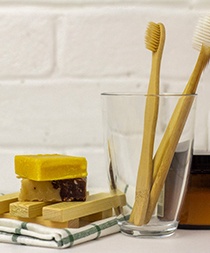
x,y
155,229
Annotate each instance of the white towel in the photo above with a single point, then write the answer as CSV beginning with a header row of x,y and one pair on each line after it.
x,y
18,232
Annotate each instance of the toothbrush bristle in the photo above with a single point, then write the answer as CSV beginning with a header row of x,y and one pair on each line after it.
x,y
152,36
202,33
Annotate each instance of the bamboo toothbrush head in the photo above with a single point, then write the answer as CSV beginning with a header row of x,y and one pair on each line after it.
x,y
201,42
154,41
155,37
202,33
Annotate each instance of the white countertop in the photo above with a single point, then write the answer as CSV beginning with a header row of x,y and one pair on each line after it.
x,y
183,241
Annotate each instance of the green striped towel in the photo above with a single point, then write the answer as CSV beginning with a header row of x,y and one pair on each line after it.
x,y
18,232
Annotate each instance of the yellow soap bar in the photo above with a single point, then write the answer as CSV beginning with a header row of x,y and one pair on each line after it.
x,y
50,167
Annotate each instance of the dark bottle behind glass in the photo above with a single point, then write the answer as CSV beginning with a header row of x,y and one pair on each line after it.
x,y
195,212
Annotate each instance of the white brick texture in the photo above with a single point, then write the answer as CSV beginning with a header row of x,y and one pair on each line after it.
x,y
50,114
27,44
112,42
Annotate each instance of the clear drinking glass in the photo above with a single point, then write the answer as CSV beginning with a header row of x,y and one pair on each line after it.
x,y
124,126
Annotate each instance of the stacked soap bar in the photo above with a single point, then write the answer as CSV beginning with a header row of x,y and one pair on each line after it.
x,y
51,177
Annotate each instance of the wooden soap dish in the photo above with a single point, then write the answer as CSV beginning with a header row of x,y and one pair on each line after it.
x,y
63,214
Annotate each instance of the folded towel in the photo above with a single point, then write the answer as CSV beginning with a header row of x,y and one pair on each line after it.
x,y
18,232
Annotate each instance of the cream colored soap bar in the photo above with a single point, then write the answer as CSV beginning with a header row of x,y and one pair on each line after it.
x,y
56,190
50,167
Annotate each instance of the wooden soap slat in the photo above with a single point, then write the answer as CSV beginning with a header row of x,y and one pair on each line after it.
x,y
5,201
75,223
95,217
27,209
41,221
65,211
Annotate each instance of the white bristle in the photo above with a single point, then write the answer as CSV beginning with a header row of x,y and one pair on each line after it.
x,y
202,33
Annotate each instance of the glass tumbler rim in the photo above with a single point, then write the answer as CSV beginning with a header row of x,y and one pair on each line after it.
x,y
133,94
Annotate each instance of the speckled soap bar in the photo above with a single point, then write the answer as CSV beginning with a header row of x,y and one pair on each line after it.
x,y
53,191
51,177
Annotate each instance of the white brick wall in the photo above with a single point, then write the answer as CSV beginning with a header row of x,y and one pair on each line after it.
x,y
57,56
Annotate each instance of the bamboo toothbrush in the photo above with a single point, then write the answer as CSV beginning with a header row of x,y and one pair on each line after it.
x,y
155,39
167,147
